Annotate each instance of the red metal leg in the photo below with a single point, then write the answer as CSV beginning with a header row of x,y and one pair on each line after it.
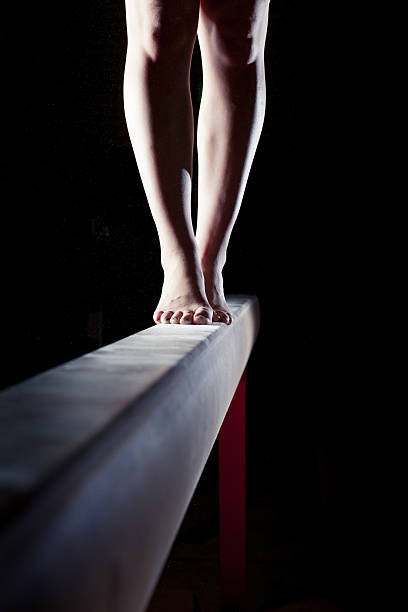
x,y
232,498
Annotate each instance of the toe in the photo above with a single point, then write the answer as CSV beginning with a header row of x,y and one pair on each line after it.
x,y
187,318
157,316
216,317
202,316
224,317
175,319
166,316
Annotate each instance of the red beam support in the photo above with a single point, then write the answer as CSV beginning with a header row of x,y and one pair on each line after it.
x,y
232,502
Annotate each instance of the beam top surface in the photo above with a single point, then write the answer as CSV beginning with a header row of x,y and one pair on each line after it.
x,y
48,419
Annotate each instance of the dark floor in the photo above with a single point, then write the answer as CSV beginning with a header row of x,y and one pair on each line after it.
x,y
300,539
282,570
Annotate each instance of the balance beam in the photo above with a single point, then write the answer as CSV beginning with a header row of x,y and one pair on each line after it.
x,y
100,457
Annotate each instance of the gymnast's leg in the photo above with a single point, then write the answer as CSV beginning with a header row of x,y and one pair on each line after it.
x,y
159,116
232,37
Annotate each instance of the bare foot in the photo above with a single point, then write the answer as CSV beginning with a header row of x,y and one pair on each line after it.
x,y
214,288
183,300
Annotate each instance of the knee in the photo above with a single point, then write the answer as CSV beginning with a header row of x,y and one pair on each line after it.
x,y
239,38
162,31
166,36
236,43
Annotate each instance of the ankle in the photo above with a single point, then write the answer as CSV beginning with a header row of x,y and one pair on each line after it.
x,y
212,268
212,257
181,263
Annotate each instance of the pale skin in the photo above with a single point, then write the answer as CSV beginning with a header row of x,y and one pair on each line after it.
x,y
159,116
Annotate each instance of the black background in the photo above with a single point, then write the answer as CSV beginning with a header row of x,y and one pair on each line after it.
x,y
78,238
